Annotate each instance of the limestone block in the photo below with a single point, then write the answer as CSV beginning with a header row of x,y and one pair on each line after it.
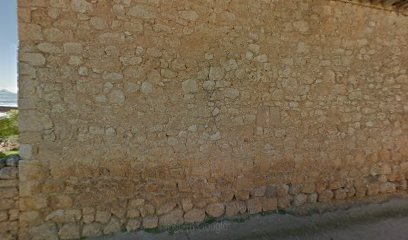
x,y
8,193
215,209
326,196
69,231
92,230
340,194
174,217
102,216
187,204
150,222
113,226
81,6
166,207
33,203
34,59
194,215
133,225
8,173
269,204
25,151
190,86
254,205
3,216
46,231
189,15
299,199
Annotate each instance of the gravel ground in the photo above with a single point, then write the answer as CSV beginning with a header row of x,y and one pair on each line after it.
x,y
388,220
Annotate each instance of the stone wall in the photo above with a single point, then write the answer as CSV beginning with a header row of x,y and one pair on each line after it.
x,y
139,113
9,198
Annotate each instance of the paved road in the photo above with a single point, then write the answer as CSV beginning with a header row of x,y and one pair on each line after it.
x,y
384,221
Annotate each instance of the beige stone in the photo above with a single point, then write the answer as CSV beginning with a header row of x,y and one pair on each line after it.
x,y
189,15
81,6
174,217
34,59
46,231
98,23
3,216
133,225
326,196
166,207
8,173
269,204
69,231
142,11
124,104
254,205
150,222
102,216
299,200
215,209
194,216
92,230
113,226
190,86
187,204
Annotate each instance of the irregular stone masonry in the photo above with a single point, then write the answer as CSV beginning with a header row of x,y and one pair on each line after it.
x,y
143,113
9,198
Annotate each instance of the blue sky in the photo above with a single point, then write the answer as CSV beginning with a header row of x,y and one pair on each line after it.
x,y
8,45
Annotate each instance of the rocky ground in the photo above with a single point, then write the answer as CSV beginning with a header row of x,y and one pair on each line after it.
x,y
9,144
388,220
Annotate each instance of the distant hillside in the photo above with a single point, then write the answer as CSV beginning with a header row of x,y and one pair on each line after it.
x,y
8,99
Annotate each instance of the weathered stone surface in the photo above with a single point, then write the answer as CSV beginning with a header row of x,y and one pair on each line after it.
x,y
234,208
8,173
216,73
46,231
3,216
187,204
116,97
126,103
69,231
98,23
49,48
172,218
254,205
81,6
142,11
300,199
34,59
33,203
215,209
166,207
150,222
194,216
102,216
146,88
269,204
340,194
190,86
133,225
92,230
326,196
73,48
113,226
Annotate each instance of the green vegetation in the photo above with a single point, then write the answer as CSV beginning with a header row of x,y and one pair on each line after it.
x,y
9,134
8,154
8,125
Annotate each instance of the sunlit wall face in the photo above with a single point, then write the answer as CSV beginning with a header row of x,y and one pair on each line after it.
x,y
8,45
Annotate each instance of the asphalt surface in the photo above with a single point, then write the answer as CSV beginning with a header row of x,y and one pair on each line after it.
x,y
379,221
